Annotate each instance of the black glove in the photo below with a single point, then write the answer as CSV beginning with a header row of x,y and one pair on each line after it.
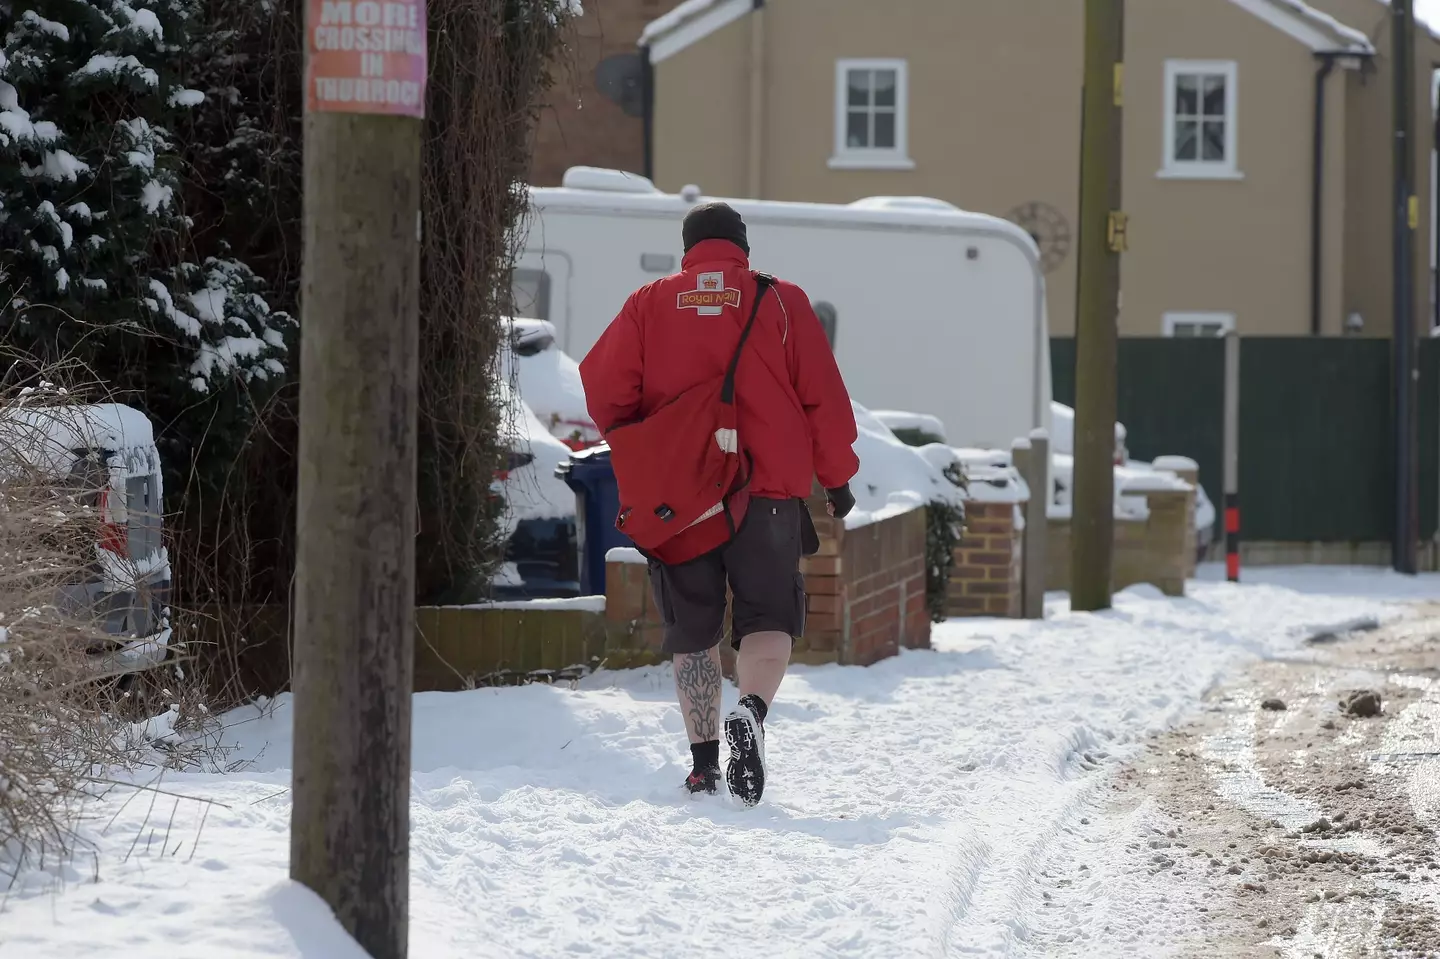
x,y
841,500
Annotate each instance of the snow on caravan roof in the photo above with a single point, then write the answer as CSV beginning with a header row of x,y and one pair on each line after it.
x,y
936,216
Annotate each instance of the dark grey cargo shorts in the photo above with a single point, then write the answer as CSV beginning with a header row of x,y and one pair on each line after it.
x,y
761,565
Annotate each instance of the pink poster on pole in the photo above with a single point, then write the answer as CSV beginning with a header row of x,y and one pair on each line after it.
x,y
366,56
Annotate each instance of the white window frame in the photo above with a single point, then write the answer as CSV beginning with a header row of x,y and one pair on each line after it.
x,y
1225,321
1227,169
873,158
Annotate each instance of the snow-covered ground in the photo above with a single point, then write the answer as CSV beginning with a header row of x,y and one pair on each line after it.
x,y
912,806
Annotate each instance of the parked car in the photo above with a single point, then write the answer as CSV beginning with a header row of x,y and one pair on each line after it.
x,y
549,382
107,452
541,558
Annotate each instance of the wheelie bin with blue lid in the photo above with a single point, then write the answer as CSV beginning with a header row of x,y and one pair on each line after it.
x,y
597,501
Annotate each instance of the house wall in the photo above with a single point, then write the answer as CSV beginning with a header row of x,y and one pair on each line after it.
x,y
578,125
1369,204
1243,245
994,107
702,105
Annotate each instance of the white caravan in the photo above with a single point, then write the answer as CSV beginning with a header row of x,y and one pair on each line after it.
x,y
929,308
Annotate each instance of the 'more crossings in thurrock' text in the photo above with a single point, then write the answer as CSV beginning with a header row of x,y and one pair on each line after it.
x,y
367,56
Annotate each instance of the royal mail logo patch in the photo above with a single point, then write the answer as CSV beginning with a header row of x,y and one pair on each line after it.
x,y
710,296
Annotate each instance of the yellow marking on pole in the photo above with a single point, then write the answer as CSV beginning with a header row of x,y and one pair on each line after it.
x,y
1119,84
1117,232
1414,212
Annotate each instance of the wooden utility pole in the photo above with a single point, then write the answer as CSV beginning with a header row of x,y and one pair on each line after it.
x,y
355,577
1102,239
1406,210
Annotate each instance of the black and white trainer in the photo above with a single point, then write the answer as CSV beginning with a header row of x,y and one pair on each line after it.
x,y
745,732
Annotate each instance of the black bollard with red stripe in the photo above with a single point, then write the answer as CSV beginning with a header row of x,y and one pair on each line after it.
x,y
1232,537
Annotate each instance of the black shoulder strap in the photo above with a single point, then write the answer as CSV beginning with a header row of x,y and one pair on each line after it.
x,y
763,282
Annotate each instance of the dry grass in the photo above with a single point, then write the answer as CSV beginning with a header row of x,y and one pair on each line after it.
x,y
68,707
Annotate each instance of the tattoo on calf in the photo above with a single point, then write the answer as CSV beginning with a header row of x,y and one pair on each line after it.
x,y
697,677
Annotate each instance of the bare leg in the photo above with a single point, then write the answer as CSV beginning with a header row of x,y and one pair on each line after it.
x,y
697,683
761,664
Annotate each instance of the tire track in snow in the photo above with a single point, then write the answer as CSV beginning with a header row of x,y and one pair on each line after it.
x,y
1006,882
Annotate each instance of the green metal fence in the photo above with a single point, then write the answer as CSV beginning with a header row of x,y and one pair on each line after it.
x,y
1315,434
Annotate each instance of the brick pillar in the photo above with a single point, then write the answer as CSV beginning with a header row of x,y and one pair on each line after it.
x,y
633,625
1170,539
1189,471
827,614
986,577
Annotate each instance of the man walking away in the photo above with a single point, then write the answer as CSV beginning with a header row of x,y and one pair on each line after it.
x,y
794,423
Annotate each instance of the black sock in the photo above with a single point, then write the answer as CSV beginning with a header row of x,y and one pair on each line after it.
x,y
706,755
757,704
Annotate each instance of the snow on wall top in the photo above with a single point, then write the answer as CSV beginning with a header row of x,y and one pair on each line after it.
x,y
587,604
1136,480
988,483
625,554
1173,463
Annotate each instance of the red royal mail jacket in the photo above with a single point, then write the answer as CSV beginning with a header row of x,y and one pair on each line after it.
x,y
793,411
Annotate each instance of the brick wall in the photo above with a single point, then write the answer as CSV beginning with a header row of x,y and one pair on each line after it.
x,y
457,647
865,589
580,126
633,626
883,587
986,577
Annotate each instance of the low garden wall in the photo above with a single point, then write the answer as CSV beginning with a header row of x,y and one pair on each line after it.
x,y
459,647
1154,539
865,588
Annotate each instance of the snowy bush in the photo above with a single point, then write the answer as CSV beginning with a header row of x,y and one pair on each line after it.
x,y
97,251
945,528
54,731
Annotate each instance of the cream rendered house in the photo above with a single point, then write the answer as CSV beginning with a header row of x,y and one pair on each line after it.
x,y
1257,149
